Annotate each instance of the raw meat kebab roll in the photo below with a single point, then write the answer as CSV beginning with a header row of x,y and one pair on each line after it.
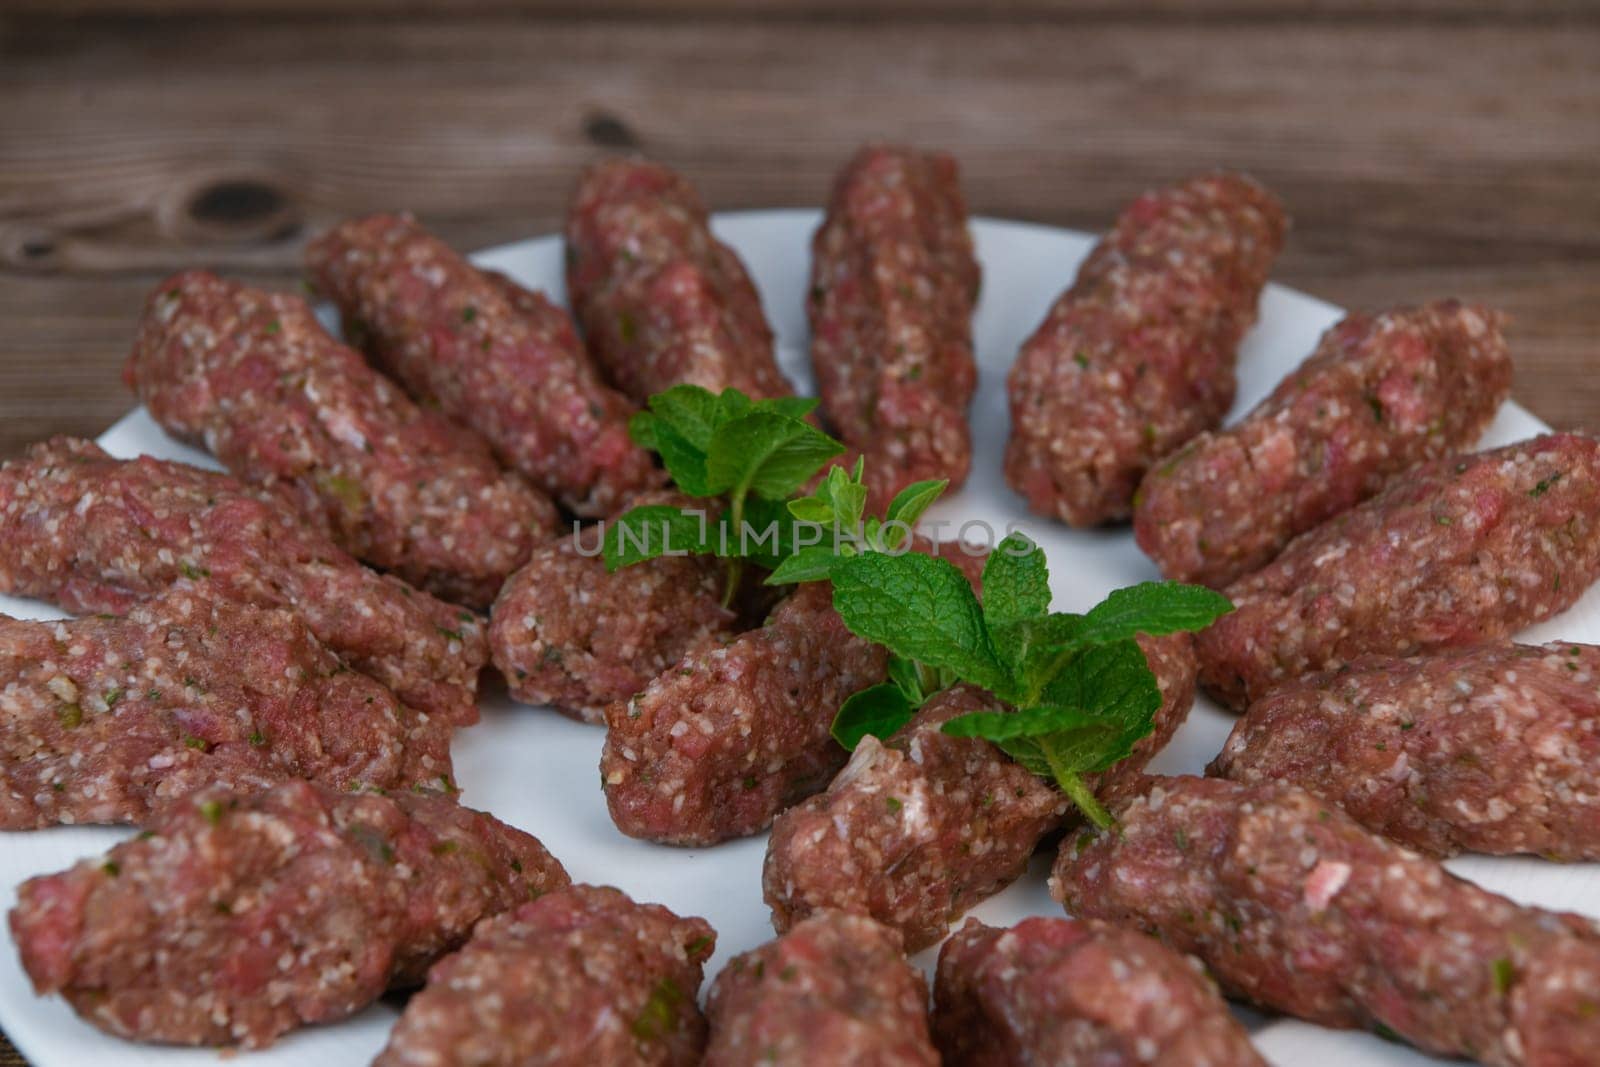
x,y
582,976
835,990
254,377
106,719
893,284
97,534
238,917
1491,748
1461,550
565,632
1138,356
722,742
662,302
487,353
1062,991
1296,907
1381,394
916,830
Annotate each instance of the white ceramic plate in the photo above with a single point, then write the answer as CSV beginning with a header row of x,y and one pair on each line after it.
x,y
538,771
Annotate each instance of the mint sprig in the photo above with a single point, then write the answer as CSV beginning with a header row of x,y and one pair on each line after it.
x,y
755,456
724,446
1081,692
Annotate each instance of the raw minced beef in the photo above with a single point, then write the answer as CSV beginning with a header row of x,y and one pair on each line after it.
x,y
1381,394
238,917
1459,551
1296,907
489,354
254,377
97,534
1138,356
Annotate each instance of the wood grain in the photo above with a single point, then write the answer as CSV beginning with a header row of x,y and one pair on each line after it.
x,y
1452,148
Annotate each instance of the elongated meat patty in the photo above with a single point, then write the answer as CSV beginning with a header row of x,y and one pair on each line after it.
x,y
1460,551
835,990
255,378
489,354
238,917
106,719
1296,907
1491,748
566,633
1381,394
893,284
1138,356
662,302
722,742
97,534
582,976
1063,991
916,830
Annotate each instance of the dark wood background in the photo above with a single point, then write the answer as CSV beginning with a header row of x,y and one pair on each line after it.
x,y
1442,147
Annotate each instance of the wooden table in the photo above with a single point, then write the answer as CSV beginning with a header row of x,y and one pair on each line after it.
x,y
1451,149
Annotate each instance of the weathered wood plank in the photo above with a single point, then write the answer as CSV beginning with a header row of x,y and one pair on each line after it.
x,y
1418,159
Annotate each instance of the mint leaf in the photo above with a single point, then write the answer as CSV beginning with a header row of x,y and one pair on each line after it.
x,y
811,564
653,530
795,407
920,608
1153,608
879,710
909,503
684,460
766,453
1016,582
1029,722
847,494
1116,681
691,412
812,509
908,676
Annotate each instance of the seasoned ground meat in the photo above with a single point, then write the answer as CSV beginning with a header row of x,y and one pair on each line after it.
x,y
97,534
722,742
566,633
662,302
1493,748
106,719
1293,905
582,976
238,917
893,284
916,831
1381,394
1137,357
1459,551
835,990
488,353
254,377
1060,991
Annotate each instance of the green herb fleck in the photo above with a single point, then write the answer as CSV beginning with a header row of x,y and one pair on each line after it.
x,y
659,1016
211,811
111,868
1503,974
1544,485
70,716
468,313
